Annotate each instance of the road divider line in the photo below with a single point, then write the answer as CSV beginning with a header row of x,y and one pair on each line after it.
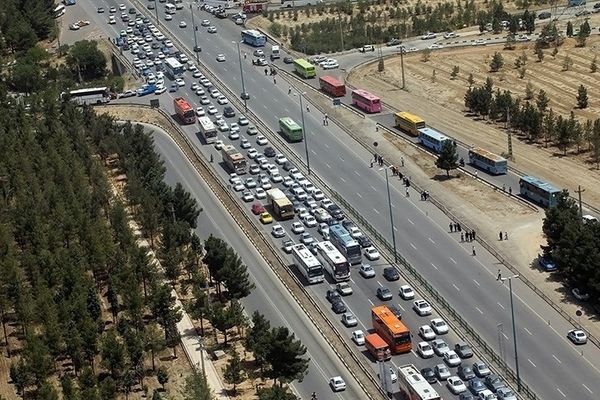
x,y
408,219
561,392
356,172
531,362
433,265
342,179
456,287
587,388
477,308
556,358
454,261
413,246
504,334
527,330
477,283
359,195
373,187
501,306
376,210
431,240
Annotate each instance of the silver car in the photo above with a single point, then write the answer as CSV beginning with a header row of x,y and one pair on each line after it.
x,y
442,372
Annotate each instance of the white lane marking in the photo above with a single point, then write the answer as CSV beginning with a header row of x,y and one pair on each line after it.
x,y
504,334
477,283
379,283
560,362
501,306
358,194
400,305
560,391
527,330
371,302
393,205
453,260
433,265
408,219
376,210
396,229
531,362
342,179
326,145
356,172
480,312
587,388
287,111
431,240
456,287
373,187
413,246
328,166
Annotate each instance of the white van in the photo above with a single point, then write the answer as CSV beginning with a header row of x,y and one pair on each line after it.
x,y
275,54
170,8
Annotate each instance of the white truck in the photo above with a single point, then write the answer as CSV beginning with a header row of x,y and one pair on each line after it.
x,y
275,53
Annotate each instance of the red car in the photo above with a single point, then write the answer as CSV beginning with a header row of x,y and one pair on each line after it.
x,y
258,208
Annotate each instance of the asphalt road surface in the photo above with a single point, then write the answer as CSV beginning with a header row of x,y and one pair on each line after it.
x,y
551,365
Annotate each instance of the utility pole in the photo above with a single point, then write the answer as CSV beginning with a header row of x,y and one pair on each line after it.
x,y
387,183
579,191
341,32
402,66
509,137
156,12
195,36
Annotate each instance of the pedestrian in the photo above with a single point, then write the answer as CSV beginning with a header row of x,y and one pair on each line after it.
x,y
503,187
290,90
400,174
211,158
451,225
459,228
427,198
407,193
499,277
473,234
266,71
376,128
375,157
468,235
475,174
462,237
307,109
510,190
245,55
326,117
274,81
500,235
456,227
474,253
371,164
505,235
402,161
324,122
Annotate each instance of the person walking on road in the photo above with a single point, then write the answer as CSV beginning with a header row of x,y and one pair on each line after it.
x,y
407,193
505,235
462,237
307,108
500,235
290,90
474,253
451,226
211,158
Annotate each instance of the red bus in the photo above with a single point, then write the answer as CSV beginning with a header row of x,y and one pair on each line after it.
x,y
366,101
389,327
332,86
184,110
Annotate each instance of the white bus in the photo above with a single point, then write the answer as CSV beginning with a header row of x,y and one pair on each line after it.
x,y
207,129
414,386
170,8
90,96
308,264
333,261
173,68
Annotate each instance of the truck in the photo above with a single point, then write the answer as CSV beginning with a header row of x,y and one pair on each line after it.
x,y
275,53
378,348
146,89
184,110
234,160
281,205
255,7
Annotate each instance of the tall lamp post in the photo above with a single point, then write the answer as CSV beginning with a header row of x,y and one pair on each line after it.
x,y
514,329
244,95
387,184
301,94
156,12
195,37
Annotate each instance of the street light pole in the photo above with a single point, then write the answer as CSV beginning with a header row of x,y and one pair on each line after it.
x,y
387,183
514,328
156,12
242,76
194,27
300,94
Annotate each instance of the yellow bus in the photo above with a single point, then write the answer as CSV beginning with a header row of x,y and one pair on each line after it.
x,y
409,123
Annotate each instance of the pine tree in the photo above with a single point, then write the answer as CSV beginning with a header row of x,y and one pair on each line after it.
x,y
163,377
257,338
582,97
276,393
196,388
471,80
112,352
594,65
539,52
595,142
497,62
454,72
448,158
236,277
529,93
542,101
285,356
569,29
234,370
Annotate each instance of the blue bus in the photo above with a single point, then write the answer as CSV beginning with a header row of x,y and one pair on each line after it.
x,y
432,139
345,243
539,191
487,161
254,38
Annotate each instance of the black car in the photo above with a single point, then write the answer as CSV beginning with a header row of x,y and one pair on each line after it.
x,y
348,224
466,396
547,14
493,382
597,5
245,96
465,372
288,60
155,45
269,152
396,311
333,295
429,375
228,112
132,10
125,18
463,350
364,241
338,307
335,211
287,166
391,274
197,49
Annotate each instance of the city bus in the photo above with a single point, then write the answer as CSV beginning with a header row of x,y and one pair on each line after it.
x,y
389,327
432,139
332,86
305,69
173,68
208,130
184,110
170,8
254,38
290,130
487,161
333,261
90,96
414,386
308,264
539,191
409,123
345,243
366,101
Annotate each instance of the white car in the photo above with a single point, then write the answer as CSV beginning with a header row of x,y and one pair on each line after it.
x,y
280,159
223,127
261,140
235,127
247,196
200,111
452,359
317,194
439,326
238,187
245,144
287,181
425,350
180,82
222,100
252,153
278,231
426,332
204,101
233,135
243,121
487,395
160,89
323,229
331,65
260,193
428,35
168,17
337,384
212,29
435,46
422,307
220,57
309,221
366,271
297,228
276,177
440,347
205,22
355,232
212,110
406,292
182,24
577,336
358,337
168,43
349,320
250,183
122,7
442,372
371,253
456,385
219,144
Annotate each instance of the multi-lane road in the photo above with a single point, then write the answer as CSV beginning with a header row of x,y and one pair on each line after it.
x,y
549,363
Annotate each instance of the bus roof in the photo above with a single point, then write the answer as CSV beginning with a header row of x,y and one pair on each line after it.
x,y
376,340
173,62
410,117
276,194
302,252
183,103
418,384
303,63
252,32
87,90
389,319
487,154
342,234
540,183
290,123
332,252
205,122
331,80
433,133
363,93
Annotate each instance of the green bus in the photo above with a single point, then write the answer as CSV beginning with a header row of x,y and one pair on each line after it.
x,y
290,130
304,68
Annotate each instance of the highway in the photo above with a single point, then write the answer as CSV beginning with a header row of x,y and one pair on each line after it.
x,y
467,282
269,297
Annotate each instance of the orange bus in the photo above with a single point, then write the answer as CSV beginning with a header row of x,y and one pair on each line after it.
x,y
378,347
184,110
389,327
332,86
